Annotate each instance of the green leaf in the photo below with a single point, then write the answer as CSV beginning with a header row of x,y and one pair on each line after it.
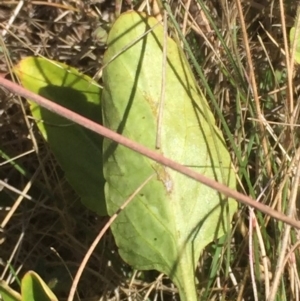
x,y
173,218
33,288
297,42
7,293
77,150
100,34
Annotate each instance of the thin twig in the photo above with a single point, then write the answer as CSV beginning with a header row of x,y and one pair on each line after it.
x,y
263,255
12,18
99,236
163,84
286,233
252,220
290,104
19,200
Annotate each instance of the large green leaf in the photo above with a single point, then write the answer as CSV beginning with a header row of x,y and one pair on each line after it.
x,y
174,217
78,150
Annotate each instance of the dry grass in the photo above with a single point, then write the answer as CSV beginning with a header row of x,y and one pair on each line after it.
x,y
49,231
46,229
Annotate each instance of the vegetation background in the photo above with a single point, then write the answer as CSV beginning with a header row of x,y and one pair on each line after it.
x,y
51,234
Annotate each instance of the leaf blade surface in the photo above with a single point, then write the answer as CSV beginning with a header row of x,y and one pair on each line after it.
x,y
78,150
173,218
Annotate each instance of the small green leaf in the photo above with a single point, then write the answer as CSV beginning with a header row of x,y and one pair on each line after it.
x,y
33,288
173,218
77,150
7,293
100,34
297,42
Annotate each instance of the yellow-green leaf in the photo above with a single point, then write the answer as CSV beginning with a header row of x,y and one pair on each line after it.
x,y
33,288
7,293
78,150
173,218
297,43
